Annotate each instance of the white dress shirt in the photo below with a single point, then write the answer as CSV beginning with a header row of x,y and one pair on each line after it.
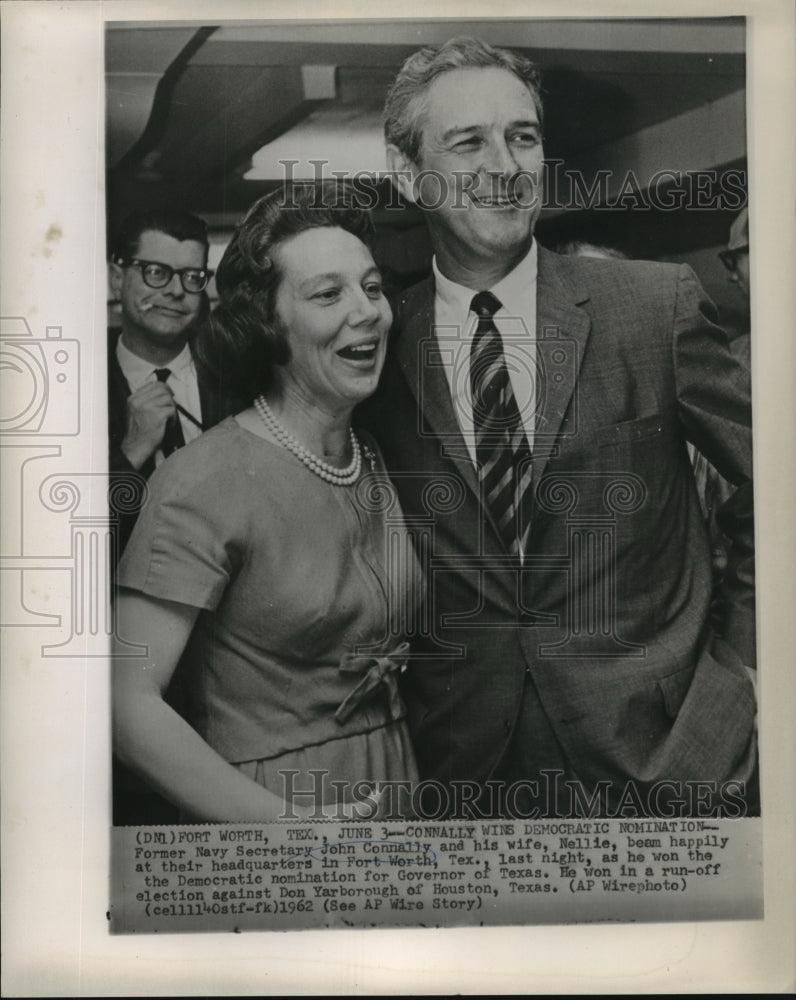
x,y
182,381
455,325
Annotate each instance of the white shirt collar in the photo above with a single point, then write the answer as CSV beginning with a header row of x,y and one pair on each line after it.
x,y
455,325
512,291
137,371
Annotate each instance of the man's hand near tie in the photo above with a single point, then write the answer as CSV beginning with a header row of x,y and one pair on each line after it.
x,y
149,410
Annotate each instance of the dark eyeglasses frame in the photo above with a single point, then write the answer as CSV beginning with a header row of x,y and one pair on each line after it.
x,y
204,274
729,258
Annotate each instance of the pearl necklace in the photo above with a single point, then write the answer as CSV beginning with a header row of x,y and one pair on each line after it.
x,y
333,475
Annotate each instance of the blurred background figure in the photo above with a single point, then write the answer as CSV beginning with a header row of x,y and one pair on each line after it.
x,y
736,257
712,487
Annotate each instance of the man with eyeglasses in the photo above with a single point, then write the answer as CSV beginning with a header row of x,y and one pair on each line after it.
x,y
713,489
159,399
736,257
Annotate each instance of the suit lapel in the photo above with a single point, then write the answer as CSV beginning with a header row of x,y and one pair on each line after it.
x,y
118,391
559,318
207,399
117,383
415,352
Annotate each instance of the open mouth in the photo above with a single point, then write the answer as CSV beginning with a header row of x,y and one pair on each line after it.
x,y
365,352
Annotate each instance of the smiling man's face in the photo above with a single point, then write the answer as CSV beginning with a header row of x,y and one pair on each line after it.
x,y
482,149
158,317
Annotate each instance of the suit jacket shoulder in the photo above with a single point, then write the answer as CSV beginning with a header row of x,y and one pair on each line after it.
x,y
118,391
644,281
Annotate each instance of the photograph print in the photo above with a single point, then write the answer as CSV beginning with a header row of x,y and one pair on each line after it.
x,y
429,416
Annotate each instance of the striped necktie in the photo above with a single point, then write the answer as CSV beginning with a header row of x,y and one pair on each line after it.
x,y
173,437
501,447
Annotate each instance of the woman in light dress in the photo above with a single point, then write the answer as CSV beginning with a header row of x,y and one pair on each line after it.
x,y
263,562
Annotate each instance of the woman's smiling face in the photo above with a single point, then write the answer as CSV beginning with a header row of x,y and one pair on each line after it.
x,y
332,309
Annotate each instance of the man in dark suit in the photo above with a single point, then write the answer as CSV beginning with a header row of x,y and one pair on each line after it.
x,y
713,488
158,397
534,413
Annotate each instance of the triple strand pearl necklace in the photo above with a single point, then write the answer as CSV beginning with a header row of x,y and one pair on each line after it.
x,y
332,474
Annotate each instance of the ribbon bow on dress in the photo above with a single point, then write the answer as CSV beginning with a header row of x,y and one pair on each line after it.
x,y
378,669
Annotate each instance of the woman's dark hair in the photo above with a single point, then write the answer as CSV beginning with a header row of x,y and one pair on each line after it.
x,y
244,341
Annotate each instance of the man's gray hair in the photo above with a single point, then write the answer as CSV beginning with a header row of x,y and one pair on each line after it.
x,y
404,106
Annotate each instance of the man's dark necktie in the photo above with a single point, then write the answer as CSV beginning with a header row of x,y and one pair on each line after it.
x,y
173,437
501,446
